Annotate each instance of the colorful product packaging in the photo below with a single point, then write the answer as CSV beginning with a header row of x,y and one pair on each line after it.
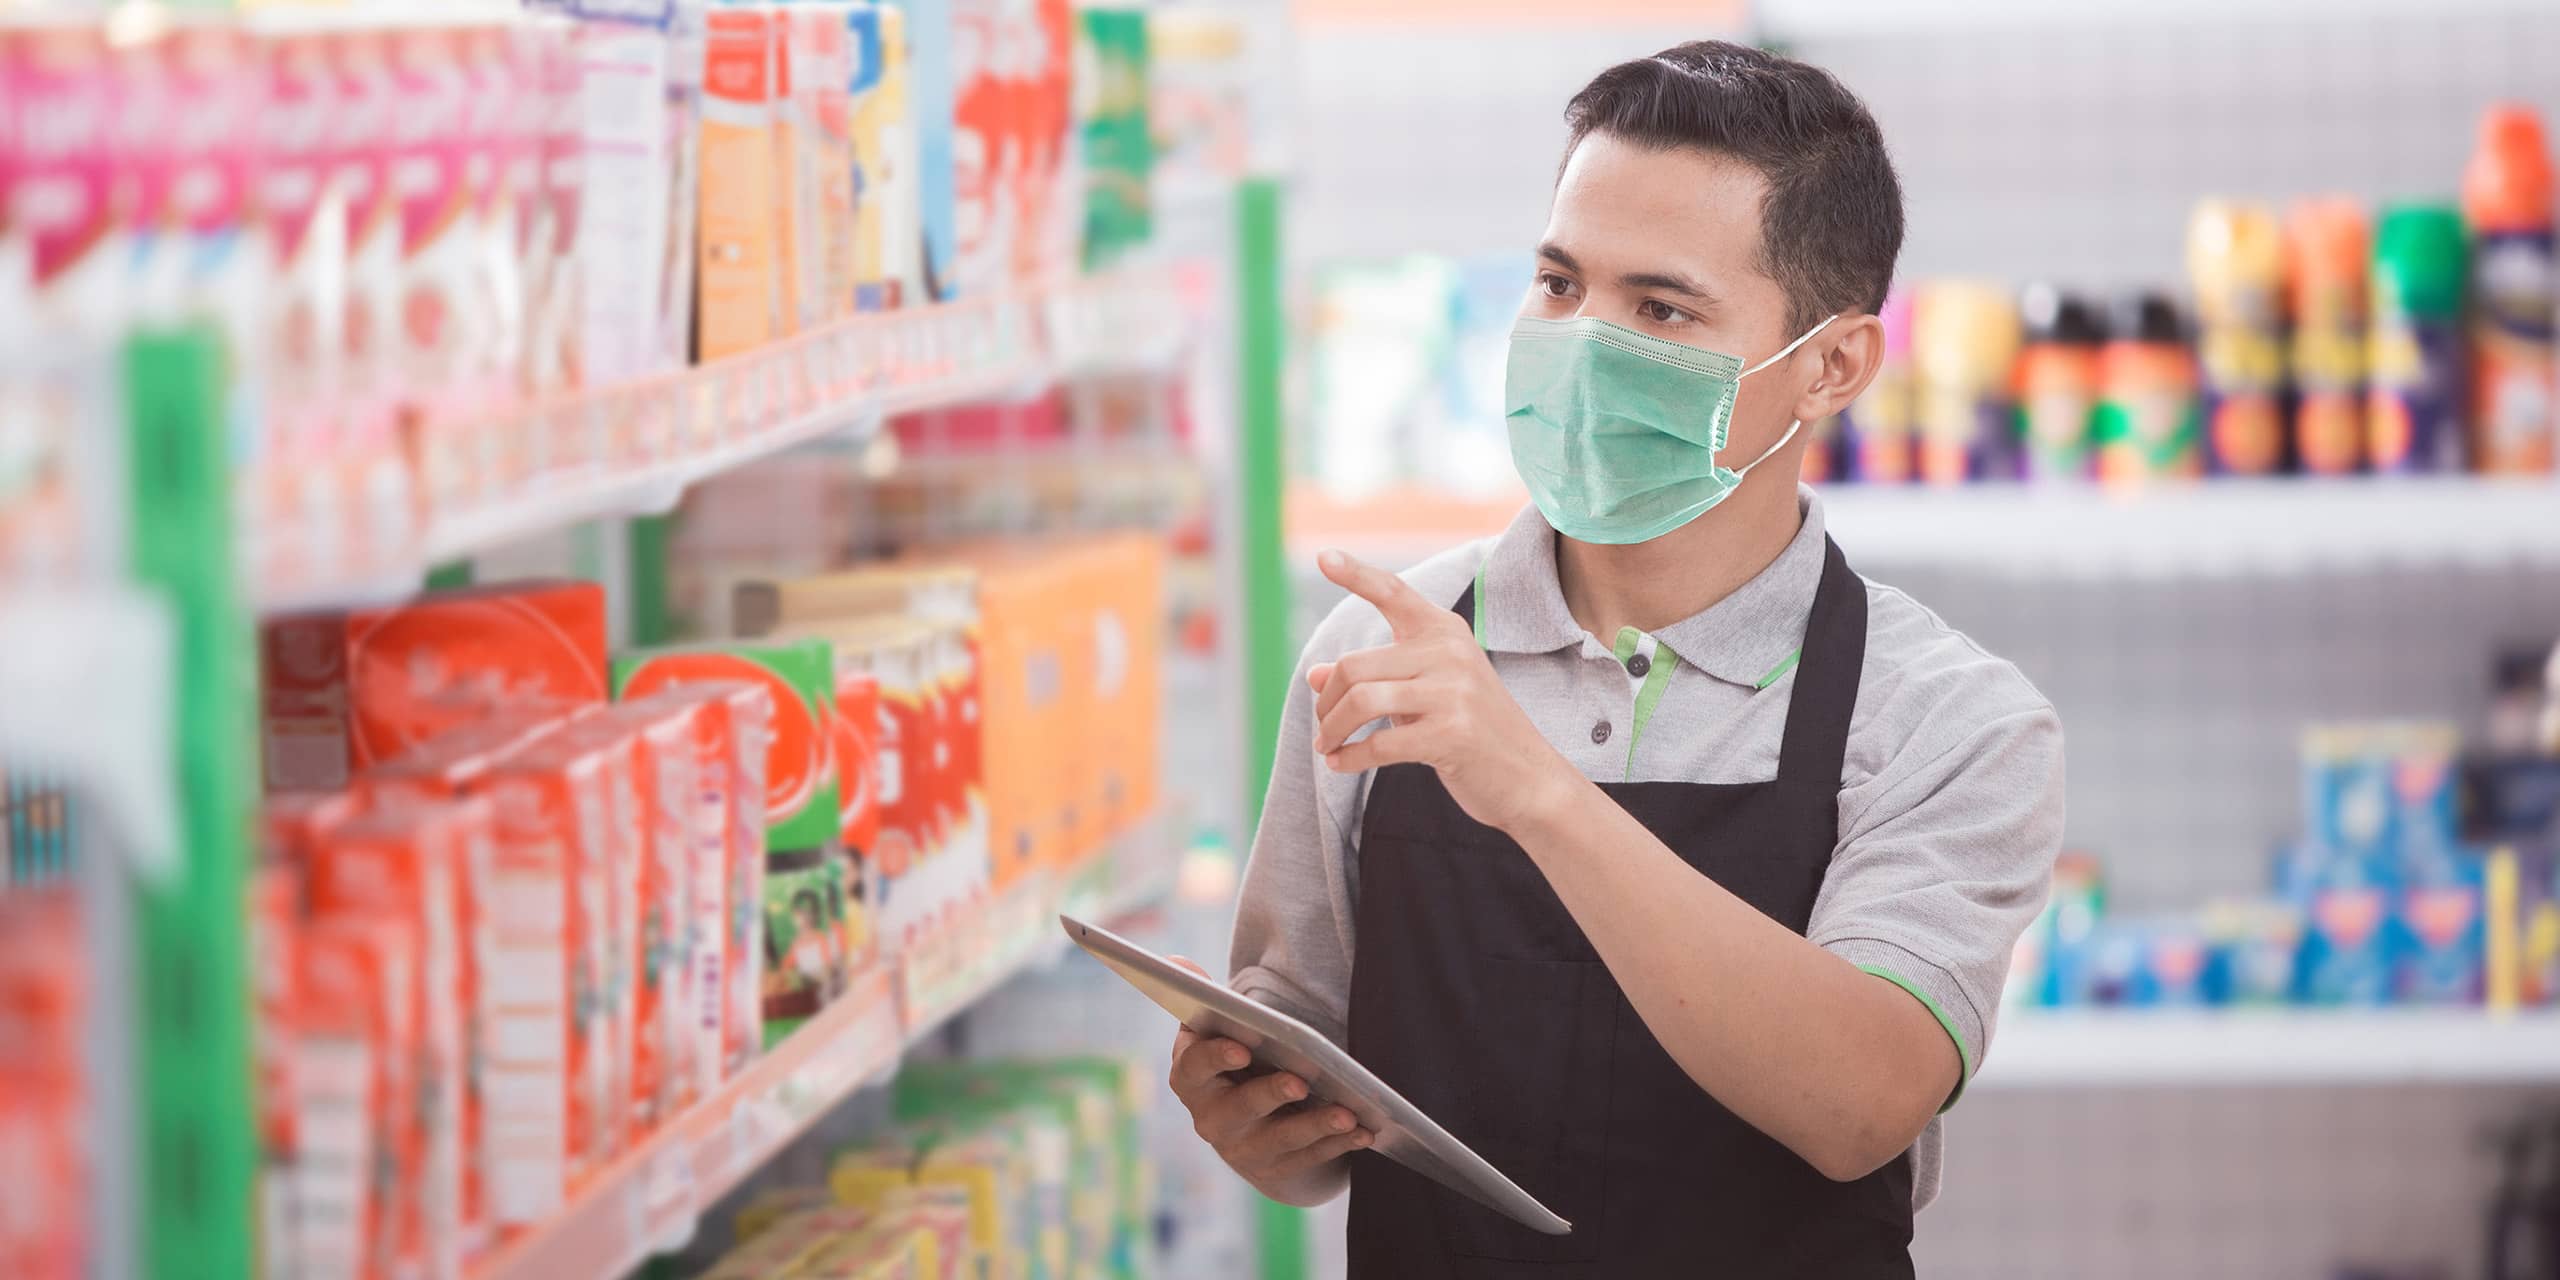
x,y
353,1043
2347,947
931,106
668,735
885,235
1964,345
1876,440
2327,254
742,265
305,308
2507,199
44,1103
2148,425
801,809
622,49
2235,260
275,920
780,1247
751,733
343,690
445,315
697,933
2442,955
687,34
369,101
550,1086
824,68
804,962
2057,383
1119,149
2415,405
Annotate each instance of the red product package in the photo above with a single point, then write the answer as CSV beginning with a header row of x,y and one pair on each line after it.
x,y
620,852
450,766
407,866
290,823
857,731
751,714
349,1070
666,734
44,1151
547,1085
344,690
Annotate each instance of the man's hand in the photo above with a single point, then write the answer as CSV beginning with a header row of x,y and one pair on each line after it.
x,y
1262,1126
1447,708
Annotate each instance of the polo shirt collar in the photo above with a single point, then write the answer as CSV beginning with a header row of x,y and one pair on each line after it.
x,y
1740,639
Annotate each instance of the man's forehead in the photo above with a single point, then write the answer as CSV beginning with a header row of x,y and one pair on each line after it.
x,y
1684,210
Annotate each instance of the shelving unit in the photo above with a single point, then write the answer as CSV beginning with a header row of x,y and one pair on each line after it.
x,y
649,1200
548,465
2108,1049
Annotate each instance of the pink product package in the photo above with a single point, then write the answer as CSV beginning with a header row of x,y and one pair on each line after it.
x,y
62,225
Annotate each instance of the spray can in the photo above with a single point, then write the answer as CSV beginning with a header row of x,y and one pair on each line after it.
x,y
2057,383
2413,406
1875,432
2235,260
2506,195
1964,347
2147,424
2327,248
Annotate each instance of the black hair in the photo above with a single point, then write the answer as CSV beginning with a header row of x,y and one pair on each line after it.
x,y
1831,225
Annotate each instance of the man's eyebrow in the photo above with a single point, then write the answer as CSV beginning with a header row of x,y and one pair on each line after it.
x,y
1668,283
1558,256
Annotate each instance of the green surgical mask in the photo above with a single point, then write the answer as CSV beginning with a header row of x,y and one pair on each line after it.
x,y
1617,433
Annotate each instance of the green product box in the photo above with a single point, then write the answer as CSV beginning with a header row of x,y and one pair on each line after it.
x,y
1119,151
800,764
804,964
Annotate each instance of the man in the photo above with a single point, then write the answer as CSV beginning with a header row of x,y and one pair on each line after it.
x,y
1658,856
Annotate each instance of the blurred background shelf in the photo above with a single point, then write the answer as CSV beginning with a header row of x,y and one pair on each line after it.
x,y
2272,1047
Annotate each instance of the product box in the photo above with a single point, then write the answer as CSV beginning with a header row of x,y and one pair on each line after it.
x,y
275,925
798,64
823,179
1119,153
2254,949
885,235
498,119
697,927
751,711
801,810
622,48
781,1246
44,1104
804,925
667,734
554,200
687,34
343,690
352,1055
305,245
629,818
743,267
445,315
550,1094
369,99
76,246
2347,948
409,865
2443,943
991,1172
932,101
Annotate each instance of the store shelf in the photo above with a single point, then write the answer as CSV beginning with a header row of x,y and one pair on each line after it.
x,y
649,1200
2272,1047
2224,528
2217,528
634,449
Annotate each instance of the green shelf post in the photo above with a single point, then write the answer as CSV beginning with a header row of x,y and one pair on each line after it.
x,y
645,573
1270,661
197,1131
452,575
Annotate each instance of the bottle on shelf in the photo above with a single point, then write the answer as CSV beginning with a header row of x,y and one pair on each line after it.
x,y
1964,347
2147,422
2326,248
2506,196
2414,404
1875,433
2058,382
2235,261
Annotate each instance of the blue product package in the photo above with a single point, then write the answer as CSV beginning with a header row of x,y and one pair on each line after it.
x,y
2348,804
2115,964
2254,949
932,99
2425,783
2443,941
2173,967
2346,946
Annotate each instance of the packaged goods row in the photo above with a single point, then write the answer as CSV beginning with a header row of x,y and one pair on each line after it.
x,y
1016,1170
2320,339
35,829
2424,874
397,232
507,927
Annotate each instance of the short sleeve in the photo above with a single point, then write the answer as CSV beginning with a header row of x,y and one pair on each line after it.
x,y
1944,858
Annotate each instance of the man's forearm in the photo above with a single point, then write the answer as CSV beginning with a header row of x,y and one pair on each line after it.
x,y
1841,1067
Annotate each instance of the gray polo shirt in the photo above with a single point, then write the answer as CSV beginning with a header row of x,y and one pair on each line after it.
x,y
1950,796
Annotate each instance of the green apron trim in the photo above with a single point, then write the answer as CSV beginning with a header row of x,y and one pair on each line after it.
x,y
1964,1055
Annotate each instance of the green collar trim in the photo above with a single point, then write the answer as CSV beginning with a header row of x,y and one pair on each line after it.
x,y
1784,666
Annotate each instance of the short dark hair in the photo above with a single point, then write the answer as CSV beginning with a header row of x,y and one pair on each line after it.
x,y
1831,225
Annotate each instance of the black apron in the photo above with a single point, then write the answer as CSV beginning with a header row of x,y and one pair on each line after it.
x,y
1477,997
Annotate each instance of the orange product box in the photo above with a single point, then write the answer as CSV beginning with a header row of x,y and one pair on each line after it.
x,y
914,858
344,690
350,1073
628,820
454,765
408,865
548,1084
707,819
741,270
751,719
43,1106
667,735
275,918
1127,676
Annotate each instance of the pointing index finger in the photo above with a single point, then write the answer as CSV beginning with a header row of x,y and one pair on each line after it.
x,y
1407,613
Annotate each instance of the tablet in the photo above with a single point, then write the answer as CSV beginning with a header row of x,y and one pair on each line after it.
x,y
1404,1134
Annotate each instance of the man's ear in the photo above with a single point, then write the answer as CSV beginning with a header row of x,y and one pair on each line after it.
x,y
1852,349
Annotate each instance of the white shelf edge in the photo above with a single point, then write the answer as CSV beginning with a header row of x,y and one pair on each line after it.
x,y
2242,1047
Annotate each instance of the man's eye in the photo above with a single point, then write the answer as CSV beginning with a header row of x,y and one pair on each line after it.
x,y
1661,312
1556,286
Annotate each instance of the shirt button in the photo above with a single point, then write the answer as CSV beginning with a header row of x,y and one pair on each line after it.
x,y
1600,732
1638,664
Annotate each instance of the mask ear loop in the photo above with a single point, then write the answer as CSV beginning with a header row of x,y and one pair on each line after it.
x,y
1793,424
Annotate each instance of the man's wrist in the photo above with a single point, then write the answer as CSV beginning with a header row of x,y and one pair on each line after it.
x,y
1548,804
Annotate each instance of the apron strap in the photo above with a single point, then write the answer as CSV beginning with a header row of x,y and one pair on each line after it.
x,y
1826,688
